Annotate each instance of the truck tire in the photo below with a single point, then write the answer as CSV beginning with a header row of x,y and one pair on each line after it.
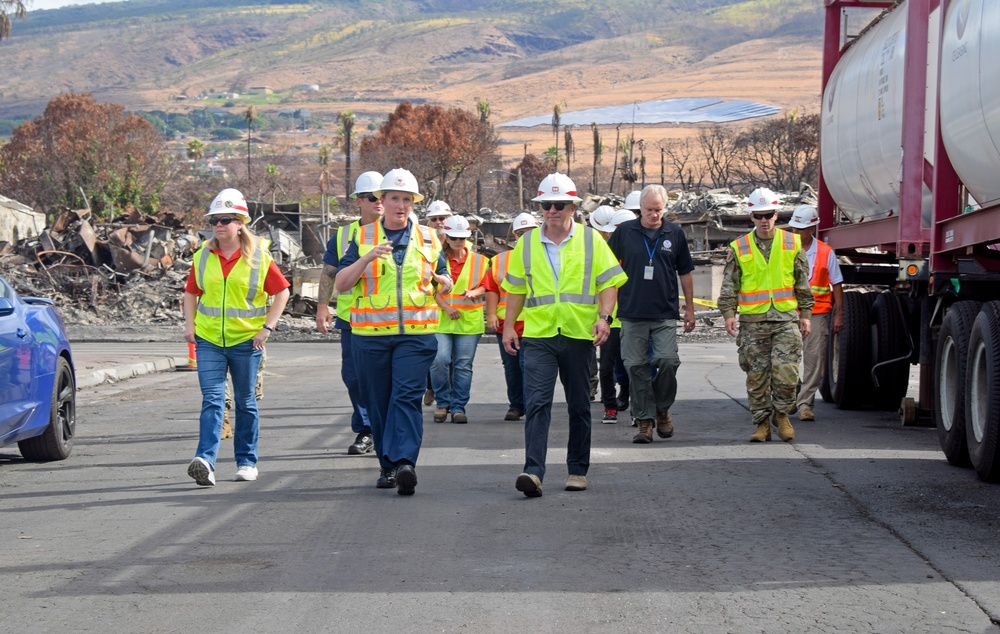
x,y
849,365
889,341
950,363
982,394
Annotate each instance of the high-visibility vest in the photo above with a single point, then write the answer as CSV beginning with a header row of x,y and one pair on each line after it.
x,y
343,240
819,283
231,309
586,263
498,269
471,319
396,300
767,282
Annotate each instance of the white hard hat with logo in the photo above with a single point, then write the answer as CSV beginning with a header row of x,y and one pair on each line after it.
x,y
438,208
523,221
557,188
367,183
804,217
600,218
400,180
622,215
632,200
762,199
456,226
229,201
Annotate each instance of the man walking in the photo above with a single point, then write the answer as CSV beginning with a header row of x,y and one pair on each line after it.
x,y
766,279
370,208
826,282
653,253
565,279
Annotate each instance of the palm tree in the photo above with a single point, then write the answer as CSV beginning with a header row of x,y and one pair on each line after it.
x,y
347,123
195,150
7,9
251,116
484,109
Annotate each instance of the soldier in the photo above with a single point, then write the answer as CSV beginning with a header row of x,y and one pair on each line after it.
x,y
767,281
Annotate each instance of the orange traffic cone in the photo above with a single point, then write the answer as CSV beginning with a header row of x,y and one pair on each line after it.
x,y
192,364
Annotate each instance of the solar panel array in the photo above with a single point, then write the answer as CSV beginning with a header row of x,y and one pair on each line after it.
x,y
683,110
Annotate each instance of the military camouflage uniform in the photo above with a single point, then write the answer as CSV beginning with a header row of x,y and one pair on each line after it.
x,y
770,344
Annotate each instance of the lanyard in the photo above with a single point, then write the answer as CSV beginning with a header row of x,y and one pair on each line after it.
x,y
651,251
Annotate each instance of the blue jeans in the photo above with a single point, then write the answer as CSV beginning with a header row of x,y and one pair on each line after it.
x,y
359,418
513,372
451,371
393,375
544,359
214,362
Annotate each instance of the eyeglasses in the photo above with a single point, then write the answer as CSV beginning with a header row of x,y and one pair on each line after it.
x,y
764,216
558,206
455,239
215,220
436,219
372,198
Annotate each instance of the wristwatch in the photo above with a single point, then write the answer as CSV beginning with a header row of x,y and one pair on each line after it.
x,y
607,318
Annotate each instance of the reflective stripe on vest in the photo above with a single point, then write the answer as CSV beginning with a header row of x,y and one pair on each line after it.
x,y
390,299
819,284
232,308
498,269
344,236
471,311
767,282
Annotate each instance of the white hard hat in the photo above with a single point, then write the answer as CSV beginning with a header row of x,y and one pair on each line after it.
x,y
438,208
400,180
622,215
762,199
367,183
229,201
557,187
523,220
600,218
456,226
804,217
632,200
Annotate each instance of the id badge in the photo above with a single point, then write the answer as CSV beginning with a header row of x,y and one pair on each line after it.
x,y
647,273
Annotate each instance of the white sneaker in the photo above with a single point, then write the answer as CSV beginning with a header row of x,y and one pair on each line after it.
x,y
201,471
246,473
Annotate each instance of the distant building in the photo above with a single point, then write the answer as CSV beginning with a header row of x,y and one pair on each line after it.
x,y
18,222
260,90
216,170
224,95
309,87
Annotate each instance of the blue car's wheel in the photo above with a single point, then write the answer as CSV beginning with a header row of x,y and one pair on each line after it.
x,y
57,441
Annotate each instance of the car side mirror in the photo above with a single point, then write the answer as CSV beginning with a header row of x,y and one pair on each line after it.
x,y
6,307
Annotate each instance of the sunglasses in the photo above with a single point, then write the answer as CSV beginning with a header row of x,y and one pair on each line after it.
x,y
215,220
436,219
558,206
456,239
766,216
372,198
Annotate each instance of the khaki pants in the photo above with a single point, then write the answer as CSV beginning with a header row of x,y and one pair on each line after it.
x,y
813,360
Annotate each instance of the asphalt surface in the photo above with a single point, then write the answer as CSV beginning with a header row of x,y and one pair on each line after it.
x,y
859,525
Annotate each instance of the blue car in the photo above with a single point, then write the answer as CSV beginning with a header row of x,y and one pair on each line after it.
x,y
37,379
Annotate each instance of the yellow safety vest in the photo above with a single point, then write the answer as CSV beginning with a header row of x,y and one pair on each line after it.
x,y
498,269
587,266
471,320
767,282
231,309
396,300
343,240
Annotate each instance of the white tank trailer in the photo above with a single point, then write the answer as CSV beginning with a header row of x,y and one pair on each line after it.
x,y
910,198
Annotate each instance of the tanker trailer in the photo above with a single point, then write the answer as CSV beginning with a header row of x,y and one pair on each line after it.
x,y
910,197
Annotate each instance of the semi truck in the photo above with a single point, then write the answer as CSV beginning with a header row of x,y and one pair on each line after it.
x,y
909,197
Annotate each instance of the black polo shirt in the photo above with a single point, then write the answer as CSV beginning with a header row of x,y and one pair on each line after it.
x,y
657,298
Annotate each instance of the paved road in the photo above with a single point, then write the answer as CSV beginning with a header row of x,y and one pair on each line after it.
x,y
859,526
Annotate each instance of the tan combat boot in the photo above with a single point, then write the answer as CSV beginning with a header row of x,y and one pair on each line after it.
x,y
762,433
227,429
785,431
645,434
664,426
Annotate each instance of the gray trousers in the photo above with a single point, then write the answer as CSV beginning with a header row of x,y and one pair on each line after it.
x,y
646,345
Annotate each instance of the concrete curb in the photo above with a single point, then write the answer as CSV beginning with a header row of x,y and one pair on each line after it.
x,y
129,371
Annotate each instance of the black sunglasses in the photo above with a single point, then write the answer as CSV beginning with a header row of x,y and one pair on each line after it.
x,y
558,206
215,220
454,238
766,216
371,197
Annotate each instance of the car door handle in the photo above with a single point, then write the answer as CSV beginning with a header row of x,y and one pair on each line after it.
x,y
21,333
